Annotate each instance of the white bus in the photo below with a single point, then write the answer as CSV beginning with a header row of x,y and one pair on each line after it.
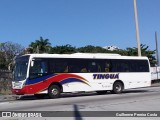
x,y
53,74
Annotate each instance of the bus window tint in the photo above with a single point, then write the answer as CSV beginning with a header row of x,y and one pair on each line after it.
x,y
107,66
39,69
99,65
58,65
129,66
78,65
140,65
92,67
119,66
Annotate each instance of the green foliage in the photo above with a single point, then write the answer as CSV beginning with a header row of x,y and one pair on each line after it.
x,y
40,46
64,49
91,49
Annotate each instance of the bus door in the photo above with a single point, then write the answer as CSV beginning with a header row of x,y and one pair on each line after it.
x,y
38,75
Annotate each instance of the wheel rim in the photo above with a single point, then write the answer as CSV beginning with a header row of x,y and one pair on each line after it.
x,y
54,91
118,88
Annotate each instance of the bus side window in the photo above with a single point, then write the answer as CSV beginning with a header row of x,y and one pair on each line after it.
x,y
44,67
125,67
40,68
57,65
93,67
51,66
107,67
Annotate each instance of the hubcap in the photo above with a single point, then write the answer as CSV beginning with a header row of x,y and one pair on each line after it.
x,y
118,88
54,91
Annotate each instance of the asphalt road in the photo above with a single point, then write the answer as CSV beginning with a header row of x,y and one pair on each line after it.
x,y
142,99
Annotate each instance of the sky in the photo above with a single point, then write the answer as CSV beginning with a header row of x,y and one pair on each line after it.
x,y
79,22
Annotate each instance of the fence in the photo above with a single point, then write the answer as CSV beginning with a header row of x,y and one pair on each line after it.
x,y
155,74
5,81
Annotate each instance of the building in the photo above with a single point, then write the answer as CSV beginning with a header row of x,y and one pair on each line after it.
x,y
111,48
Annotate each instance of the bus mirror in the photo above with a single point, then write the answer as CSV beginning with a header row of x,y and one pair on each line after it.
x,y
32,63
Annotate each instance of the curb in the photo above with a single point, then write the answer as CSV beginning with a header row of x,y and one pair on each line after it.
x,y
8,97
155,85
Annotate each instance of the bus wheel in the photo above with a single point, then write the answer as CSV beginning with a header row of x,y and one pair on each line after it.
x,y
117,87
54,91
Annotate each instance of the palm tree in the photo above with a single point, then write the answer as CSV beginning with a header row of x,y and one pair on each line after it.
x,y
40,46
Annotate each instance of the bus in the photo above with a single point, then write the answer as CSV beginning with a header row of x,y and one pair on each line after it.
x,y
53,74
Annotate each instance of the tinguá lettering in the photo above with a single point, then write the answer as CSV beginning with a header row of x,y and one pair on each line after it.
x,y
105,76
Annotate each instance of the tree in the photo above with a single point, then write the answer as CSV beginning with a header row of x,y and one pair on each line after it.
x,y
92,49
40,46
144,51
64,49
8,51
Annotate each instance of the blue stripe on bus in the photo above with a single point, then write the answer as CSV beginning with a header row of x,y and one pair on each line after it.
x,y
69,80
36,80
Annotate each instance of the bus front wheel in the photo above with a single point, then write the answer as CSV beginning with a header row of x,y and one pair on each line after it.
x,y
117,87
54,91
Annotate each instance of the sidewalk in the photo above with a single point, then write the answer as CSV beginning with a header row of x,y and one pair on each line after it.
x,y
155,85
4,98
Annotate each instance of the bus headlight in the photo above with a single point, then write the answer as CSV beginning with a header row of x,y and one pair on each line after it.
x,y
17,85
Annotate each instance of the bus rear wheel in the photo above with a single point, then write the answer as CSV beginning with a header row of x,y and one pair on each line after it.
x,y
117,87
54,91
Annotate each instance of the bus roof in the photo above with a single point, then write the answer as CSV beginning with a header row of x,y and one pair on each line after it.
x,y
86,55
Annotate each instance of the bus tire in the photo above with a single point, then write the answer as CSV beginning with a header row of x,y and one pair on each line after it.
x,y
54,91
117,87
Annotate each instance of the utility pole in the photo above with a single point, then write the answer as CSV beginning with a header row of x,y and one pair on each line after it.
x,y
137,29
37,50
157,53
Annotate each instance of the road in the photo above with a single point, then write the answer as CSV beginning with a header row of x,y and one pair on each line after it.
x,y
142,99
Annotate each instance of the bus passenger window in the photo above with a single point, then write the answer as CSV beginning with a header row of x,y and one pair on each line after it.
x,y
107,66
93,67
40,68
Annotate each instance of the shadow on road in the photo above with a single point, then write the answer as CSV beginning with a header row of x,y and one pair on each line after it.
x,y
135,91
77,113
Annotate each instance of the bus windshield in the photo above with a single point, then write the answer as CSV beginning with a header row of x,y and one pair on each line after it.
x,y
20,68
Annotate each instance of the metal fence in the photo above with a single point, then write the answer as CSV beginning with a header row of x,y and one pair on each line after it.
x,y
5,81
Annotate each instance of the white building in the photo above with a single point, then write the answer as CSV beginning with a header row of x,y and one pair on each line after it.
x,y
111,48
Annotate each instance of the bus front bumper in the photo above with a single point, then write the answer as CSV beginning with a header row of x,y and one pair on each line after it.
x,y
18,91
